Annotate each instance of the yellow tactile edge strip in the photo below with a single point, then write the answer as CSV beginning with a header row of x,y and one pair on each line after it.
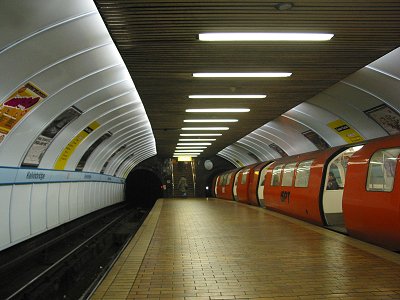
x,y
118,282
372,249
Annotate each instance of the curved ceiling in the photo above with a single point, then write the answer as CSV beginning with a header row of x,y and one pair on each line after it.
x,y
158,41
65,90
63,55
366,101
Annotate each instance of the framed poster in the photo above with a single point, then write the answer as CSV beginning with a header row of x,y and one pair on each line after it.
x,y
38,148
386,117
316,139
278,149
15,107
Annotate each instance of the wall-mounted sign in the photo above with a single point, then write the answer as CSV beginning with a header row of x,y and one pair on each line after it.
x,y
347,133
71,147
43,141
18,105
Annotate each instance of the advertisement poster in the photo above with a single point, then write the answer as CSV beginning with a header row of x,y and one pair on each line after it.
x,y
278,149
18,105
345,131
43,141
90,150
386,117
71,147
314,138
108,160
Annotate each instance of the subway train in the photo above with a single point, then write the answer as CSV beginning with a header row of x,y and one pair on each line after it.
x,y
353,189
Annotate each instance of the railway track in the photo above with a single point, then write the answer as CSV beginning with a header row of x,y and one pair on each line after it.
x,y
66,262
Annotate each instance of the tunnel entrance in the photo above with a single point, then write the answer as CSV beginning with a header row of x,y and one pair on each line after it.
x,y
143,188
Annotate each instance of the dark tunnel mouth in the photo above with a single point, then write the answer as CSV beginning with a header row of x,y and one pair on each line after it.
x,y
143,188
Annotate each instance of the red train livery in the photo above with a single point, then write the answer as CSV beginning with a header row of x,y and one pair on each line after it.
x,y
354,189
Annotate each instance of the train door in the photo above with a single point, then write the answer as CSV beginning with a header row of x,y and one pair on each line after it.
x,y
260,187
235,184
334,183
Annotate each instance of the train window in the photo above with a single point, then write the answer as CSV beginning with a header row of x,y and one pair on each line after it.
x,y
382,169
229,176
303,173
276,175
244,176
288,173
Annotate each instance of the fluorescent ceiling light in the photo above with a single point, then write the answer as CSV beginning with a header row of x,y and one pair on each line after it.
x,y
188,150
264,36
194,144
184,155
205,128
251,75
196,140
200,134
219,110
190,147
227,96
210,120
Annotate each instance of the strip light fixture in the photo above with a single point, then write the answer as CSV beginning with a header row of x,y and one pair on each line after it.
x,y
217,110
205,128
191,147
227,96
188,150
241,75
200,134
193,144
264,36
210,121
197,140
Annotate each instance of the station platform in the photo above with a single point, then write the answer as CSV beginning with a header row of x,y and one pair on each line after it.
x,y
215,249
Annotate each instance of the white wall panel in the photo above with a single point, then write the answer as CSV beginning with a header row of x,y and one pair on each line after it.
x,y
53,193
37,18
389,63
38,208
64,202
20,222
106,125
5,192
138,144
128,137
86,200
111,108
73,200
348,110
81,198
22,136
48,48
380,85
317,119
125,128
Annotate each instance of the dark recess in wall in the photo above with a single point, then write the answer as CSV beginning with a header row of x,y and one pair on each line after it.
x,y
143,188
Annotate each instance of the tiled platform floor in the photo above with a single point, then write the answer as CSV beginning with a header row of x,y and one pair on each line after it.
x,y
216,249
